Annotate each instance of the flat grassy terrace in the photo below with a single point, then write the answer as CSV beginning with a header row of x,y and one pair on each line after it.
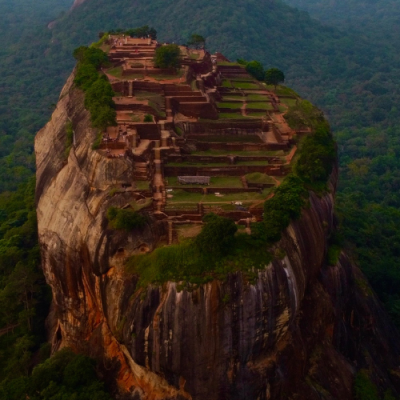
x,y
141,185
282,108
259,106
226,83
196,164
117,72
277,153
189,164
288,102
245,85
242,79
281,90
215,181
257,97
259,177
231,98
182,197
237,115
238,104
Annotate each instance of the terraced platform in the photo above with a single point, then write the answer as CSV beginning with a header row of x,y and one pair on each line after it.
x,y
210,119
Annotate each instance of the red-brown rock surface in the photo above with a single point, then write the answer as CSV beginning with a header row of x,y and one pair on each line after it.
x,y
301,331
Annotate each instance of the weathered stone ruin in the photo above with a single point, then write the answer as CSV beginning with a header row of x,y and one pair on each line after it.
x,y
212,127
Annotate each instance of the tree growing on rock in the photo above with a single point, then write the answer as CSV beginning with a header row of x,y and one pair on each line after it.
x,y
256,69
167,56
197,41
274,76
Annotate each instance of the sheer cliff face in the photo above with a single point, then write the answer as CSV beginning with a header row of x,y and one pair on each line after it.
x,y
301,331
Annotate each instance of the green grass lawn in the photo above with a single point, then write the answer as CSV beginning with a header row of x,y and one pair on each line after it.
x,y
237,115
282,108
278,153
156,97
231,98
215,181
256,114
288,102
259,177
245,85
242,79
282,90
226,83
257,97
136,118
194,164
186,198
117,72
259,106
141,185
239,104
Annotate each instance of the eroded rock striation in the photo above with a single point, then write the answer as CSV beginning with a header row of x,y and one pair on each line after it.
x,y
302,330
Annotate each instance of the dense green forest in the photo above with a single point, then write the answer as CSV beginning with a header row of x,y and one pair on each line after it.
x,y
31,74
349,68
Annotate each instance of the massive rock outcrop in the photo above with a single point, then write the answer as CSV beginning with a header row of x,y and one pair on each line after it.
x,y
302,330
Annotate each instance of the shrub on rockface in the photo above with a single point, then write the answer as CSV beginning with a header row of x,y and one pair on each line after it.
x,y
125,219
316,157
217,251
217,236
98,90
286,204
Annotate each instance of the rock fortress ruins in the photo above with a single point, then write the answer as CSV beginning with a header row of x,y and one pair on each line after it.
x,y
205,138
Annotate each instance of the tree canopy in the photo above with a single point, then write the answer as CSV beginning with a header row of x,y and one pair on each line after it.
x,y
256,69
274,76
167,56
197,41
63,376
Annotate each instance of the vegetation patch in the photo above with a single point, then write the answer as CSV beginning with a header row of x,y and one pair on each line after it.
x,y
230,105
63,376
333,254
167,56
98,90
215,181
69,135
206,257
125,219
257,97
259,177
256,114
245,85
259,106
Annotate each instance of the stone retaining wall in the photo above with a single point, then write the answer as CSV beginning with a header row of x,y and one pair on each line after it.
x,y
206,190
204,146
224,171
